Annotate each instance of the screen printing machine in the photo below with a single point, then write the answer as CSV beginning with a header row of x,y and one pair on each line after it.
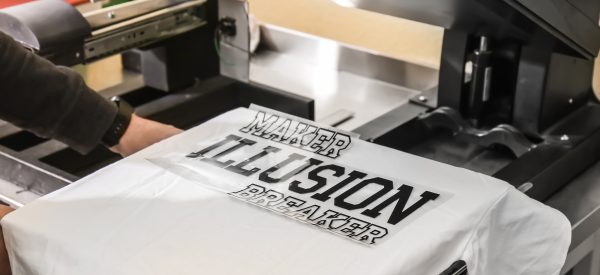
x,y
512,98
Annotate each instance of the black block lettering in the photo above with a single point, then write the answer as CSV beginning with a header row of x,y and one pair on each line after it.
x,y
268,198
319,181
330,220
249,192
265,175
288,204
215,159
239,168
323,140
371,235
401,198
340,142
386,186
304,213
354,175
354,226
204,151
260,124
278,134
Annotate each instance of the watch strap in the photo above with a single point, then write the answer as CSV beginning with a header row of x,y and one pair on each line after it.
x,y
117,129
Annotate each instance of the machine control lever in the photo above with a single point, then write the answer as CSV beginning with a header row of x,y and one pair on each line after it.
x,y
503,134
479,92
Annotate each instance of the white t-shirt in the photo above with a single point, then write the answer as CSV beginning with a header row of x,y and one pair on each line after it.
x,y
265,193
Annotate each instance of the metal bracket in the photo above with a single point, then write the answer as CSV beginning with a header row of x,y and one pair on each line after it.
x,y
428,98
234,50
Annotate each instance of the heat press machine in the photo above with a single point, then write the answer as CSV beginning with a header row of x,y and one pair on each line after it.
x,y
512,97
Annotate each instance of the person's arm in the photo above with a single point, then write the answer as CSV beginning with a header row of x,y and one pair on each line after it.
x,y
50,101
54,102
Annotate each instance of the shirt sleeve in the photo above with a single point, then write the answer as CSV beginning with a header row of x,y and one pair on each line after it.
x,y
50,101
519,236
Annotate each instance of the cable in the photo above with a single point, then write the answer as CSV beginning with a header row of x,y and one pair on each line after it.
x,y
216,42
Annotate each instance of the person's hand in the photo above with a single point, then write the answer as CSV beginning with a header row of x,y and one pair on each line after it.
x,y
4,210
142,133
4,262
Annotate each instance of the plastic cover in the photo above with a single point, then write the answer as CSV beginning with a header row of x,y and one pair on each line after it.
x,y
54,29
260,192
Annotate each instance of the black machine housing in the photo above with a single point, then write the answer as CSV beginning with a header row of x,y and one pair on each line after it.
x,y
515,96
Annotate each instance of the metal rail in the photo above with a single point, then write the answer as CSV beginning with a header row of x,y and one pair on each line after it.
x,y
111,15
145,29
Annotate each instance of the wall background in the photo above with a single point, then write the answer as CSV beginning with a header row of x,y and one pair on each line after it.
x,y
408,40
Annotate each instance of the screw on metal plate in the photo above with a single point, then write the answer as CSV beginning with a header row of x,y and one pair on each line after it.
x,y
422,98
77,55
111,15
564,138
570,101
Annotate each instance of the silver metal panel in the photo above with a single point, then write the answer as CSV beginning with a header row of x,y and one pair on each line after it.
x,y
148,17
337,117
14,195
235,50
103,17
435,12
31,175
234,62
237,9
337,76
145,29
390,121
428,98
329,54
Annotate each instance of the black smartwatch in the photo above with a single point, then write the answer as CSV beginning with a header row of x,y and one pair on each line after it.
x,y
119,126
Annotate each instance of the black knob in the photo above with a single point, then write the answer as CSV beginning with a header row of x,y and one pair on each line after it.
x,y
227,26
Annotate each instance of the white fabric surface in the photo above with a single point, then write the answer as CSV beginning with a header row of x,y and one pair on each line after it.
x,y
135,217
